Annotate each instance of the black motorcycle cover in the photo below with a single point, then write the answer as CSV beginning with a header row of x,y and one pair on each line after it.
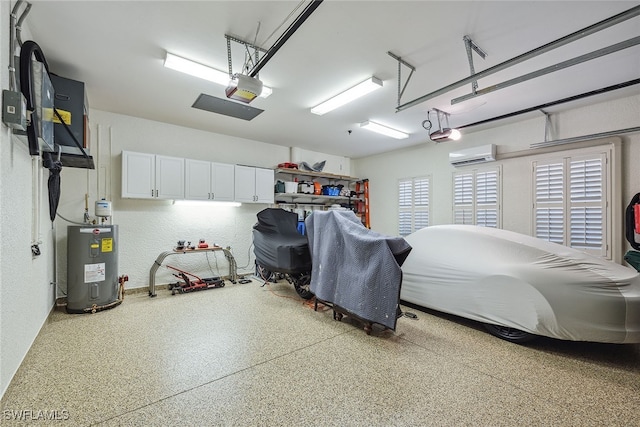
x,y
355,268
277,244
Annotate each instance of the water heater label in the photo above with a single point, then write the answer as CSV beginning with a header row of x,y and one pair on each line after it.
x,y
94,272
107,245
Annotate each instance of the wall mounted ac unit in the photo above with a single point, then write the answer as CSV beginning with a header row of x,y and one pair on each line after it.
x,y
470,156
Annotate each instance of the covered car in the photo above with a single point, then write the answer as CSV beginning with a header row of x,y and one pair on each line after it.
x,y
520,286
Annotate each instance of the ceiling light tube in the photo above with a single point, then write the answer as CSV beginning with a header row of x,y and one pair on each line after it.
x,y
384,130
361,89
203,71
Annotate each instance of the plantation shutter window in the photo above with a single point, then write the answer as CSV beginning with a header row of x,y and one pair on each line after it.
x,y
476,198
413,204
487,199
586,201
549,194
570,202
463,198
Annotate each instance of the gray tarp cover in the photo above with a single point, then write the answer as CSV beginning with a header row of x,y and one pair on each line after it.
x,y
355,268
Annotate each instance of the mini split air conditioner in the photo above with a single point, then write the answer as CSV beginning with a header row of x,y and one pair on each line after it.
x,y
470,156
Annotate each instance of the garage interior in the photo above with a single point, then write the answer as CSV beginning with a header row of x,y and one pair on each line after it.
x,y
533,82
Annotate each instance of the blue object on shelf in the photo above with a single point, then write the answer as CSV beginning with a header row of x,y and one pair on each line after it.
x,y
302,228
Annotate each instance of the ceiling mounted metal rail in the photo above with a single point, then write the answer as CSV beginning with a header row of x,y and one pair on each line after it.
x,y
592,29
557,67
311,7
585,137
553,103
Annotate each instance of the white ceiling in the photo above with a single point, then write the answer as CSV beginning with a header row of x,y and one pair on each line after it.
x,y
117,48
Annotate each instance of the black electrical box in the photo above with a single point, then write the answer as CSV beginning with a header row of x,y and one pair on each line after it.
x,y
70,102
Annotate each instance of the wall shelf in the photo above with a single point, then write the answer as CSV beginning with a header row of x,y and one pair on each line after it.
x,y
359,203
304,173
314,199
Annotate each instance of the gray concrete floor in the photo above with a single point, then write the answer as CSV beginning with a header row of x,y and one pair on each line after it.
x,y
246,355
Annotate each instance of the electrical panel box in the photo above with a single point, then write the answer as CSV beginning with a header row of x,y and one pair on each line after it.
x,y
14,110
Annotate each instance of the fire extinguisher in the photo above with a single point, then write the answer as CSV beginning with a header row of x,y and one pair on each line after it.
x,y
632,221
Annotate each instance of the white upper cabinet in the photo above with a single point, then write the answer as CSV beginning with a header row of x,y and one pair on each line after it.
x,y
169,177
209,181
222,182
138,175
149,176
253,185
197,180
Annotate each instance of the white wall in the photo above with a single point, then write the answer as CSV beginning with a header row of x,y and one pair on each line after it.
x,y
149,227
333,164
26,293
429,158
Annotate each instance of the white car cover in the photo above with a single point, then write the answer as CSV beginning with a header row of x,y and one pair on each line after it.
x,y
504,278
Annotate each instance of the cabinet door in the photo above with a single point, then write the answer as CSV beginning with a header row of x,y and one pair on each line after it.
x,y
264,185
197,180
169,177
245,184
222,182
138,175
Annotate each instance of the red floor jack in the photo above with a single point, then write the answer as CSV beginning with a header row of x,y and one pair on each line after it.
x,y
191,285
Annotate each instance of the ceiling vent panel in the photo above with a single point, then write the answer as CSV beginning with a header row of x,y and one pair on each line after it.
x,y
225,107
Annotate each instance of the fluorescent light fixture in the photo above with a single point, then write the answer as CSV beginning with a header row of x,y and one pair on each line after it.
x,y
204,203
204,72
384,130
361,89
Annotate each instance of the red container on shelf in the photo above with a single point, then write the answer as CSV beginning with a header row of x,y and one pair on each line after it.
x,y
288,165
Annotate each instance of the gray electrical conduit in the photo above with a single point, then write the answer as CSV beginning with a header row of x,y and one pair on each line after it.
x,y
20,21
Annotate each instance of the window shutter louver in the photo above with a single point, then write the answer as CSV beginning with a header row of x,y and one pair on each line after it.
x,y
586,212
413,205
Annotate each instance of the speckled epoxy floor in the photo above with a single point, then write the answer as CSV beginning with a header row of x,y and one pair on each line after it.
x,y
243,355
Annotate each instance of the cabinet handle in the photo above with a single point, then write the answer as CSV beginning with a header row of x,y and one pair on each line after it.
x,y
156,193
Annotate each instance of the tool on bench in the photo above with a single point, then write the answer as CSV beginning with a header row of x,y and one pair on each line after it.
x,y
195,284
